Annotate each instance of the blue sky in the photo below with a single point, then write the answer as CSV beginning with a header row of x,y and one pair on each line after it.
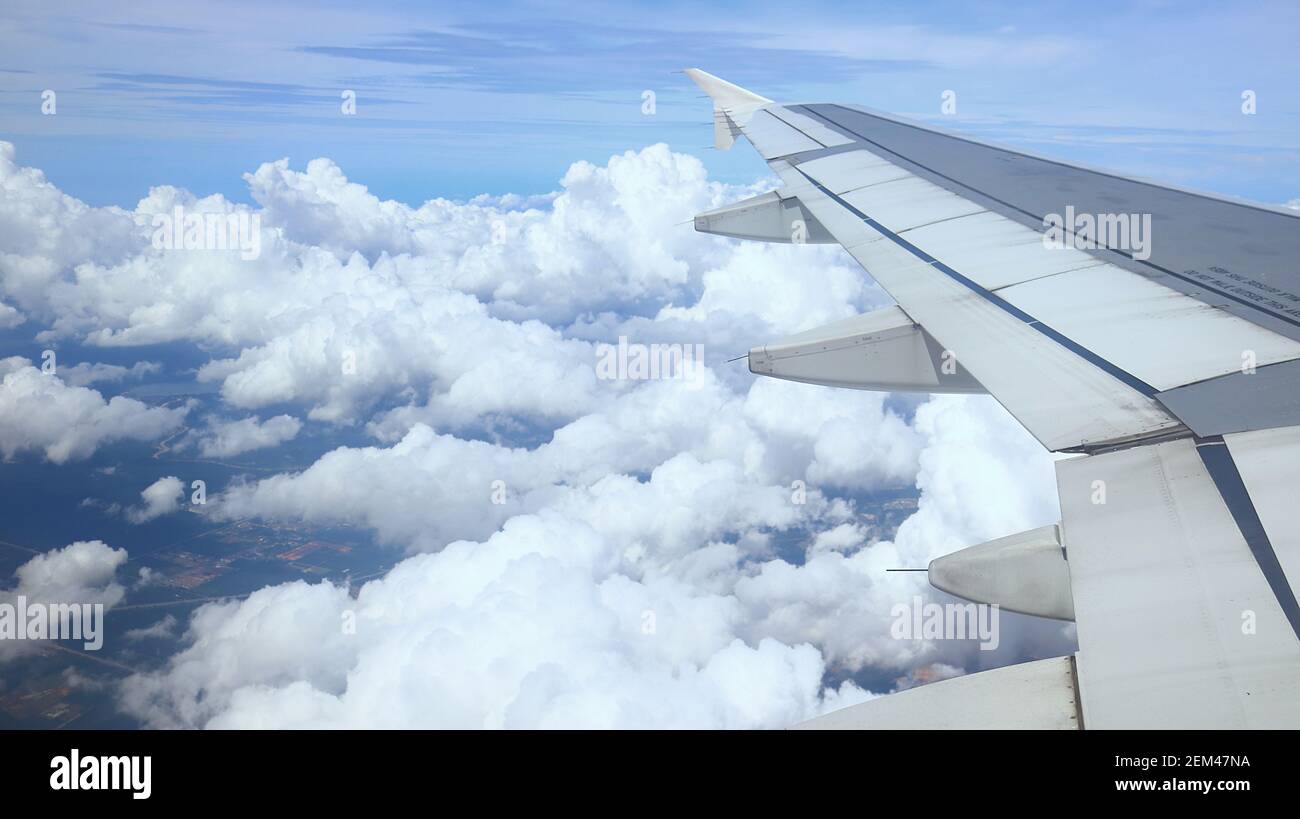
x,y
456,99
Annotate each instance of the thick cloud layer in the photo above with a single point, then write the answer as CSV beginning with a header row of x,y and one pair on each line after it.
x,y
582,551
353,299
624,603
429,488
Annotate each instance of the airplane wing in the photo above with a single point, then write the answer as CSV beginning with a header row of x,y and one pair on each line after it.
x,y
1152,331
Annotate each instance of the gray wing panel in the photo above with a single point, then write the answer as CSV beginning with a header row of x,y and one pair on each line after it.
x,y
1265,398
1242,257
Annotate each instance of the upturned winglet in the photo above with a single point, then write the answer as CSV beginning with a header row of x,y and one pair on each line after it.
x,y
732,106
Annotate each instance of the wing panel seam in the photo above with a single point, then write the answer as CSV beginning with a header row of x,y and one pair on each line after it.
x,y
1078,349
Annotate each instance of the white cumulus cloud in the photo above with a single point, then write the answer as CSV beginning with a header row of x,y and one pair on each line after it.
x,y
162,497
83,572
223,439
86,373
39,412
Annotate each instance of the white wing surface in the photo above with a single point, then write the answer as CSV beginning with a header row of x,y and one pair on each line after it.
x,y
1152,330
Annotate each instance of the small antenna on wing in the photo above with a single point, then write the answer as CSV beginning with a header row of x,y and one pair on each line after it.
x,y
737,358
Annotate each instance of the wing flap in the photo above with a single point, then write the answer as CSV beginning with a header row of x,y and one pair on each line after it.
x,y
1162,337
910,202
1178,626
995,252
1035,695
841,173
